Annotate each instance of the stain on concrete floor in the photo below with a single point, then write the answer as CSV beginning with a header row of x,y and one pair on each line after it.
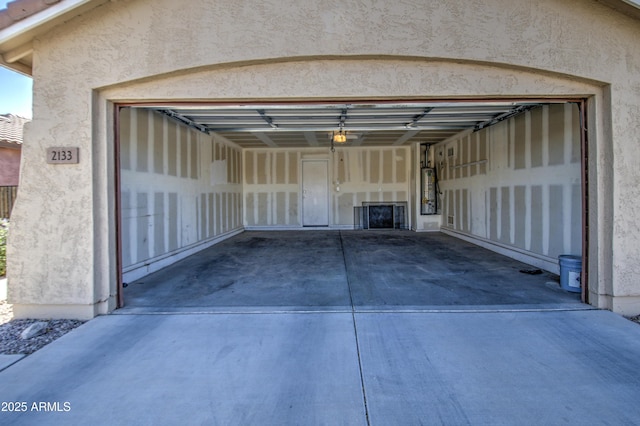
x,y
343,270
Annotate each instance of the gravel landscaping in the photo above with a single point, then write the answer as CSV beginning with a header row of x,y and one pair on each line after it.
x,y
10,329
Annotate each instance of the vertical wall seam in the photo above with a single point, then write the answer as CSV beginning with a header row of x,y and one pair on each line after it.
x,y
545,136
545,218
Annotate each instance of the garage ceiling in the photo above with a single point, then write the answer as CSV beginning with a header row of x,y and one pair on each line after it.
x,y
312,125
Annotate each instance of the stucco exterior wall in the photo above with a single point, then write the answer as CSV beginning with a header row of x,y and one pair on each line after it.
x,y
9,166
62,244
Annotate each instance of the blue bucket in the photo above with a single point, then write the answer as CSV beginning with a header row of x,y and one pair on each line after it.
x,y
570,272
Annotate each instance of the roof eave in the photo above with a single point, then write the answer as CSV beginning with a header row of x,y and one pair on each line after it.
x,y
10,144
15,40
627,7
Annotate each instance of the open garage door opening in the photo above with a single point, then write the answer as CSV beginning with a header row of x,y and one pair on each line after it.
x,y
431,185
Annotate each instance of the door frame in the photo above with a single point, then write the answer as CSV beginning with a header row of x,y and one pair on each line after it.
x,y
588,115
325,160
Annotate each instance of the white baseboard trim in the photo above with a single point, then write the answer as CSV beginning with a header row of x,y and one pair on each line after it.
x,y
542,262
137,271
299,228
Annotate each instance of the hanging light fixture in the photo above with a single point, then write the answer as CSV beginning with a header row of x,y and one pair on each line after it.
x,y
339,137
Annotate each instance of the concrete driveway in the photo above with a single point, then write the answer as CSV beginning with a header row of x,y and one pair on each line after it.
x,y
355,356
326,368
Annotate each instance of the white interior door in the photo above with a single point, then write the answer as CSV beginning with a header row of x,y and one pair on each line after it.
x,y
315,193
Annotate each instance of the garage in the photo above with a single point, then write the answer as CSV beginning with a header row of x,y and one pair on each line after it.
x,y
196,125
502,174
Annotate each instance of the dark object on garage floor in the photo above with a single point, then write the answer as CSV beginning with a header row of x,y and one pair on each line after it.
x,y
531,271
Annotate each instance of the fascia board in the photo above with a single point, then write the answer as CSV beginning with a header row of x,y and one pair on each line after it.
x,y
25,30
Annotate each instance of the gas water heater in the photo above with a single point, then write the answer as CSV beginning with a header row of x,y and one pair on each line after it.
x,y
429,203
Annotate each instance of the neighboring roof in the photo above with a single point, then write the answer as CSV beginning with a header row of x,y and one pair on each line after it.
x,y
23,20
11,129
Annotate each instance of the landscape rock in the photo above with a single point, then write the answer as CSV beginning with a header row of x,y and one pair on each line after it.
x,y
34,330
11,342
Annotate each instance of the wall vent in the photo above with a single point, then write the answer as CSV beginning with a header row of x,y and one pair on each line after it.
x,y
450,220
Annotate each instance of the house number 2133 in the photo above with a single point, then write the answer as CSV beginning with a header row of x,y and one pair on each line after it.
x,y
63,155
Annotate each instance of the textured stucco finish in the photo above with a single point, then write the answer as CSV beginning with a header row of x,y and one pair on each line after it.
x,y
62,242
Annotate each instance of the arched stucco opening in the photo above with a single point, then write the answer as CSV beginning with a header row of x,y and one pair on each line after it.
x,y
362,79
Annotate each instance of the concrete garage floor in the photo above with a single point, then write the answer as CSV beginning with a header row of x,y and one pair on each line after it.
x,y
344,270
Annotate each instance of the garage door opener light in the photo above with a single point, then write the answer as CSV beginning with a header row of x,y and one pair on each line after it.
x,y
339,137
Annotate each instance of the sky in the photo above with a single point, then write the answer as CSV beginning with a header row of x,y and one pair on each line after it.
x,y
15,89
15,93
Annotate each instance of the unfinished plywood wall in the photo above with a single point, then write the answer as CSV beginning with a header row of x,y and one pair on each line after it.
x,y
179,187
517,183
272,183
